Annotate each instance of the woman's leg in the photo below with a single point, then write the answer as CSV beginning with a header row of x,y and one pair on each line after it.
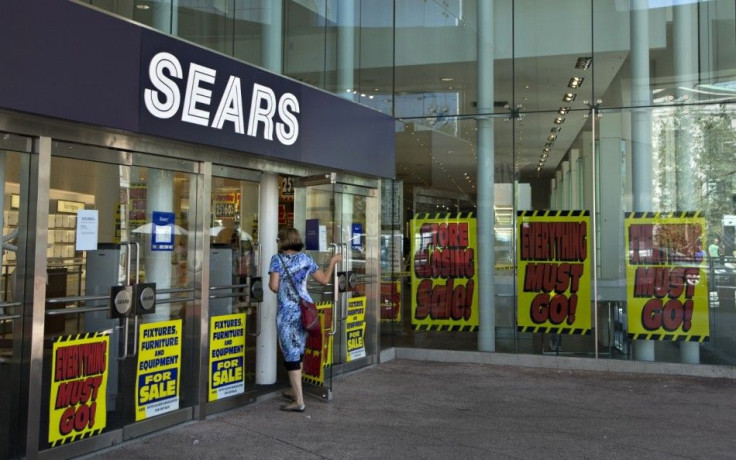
x,y
294,369
295,378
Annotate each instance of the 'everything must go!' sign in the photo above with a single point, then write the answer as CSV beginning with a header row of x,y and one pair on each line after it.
x,y
79,373
553,257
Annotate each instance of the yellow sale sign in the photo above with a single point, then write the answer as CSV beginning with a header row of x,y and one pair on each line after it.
x,y
666,277
227,356
443,273
79,371
553,257
158,378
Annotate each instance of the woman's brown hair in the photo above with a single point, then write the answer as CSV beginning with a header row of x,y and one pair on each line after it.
x,y
290,239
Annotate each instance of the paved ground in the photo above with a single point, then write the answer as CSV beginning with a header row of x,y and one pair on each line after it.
x,y
407,409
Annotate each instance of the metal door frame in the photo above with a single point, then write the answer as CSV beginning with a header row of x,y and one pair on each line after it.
x,y
210,407
350,185
47,149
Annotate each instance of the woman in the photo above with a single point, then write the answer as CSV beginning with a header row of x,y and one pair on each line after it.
x,y
292,336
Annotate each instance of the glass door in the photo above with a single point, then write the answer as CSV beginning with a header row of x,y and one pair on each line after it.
x,y
14,184
236,288
120,330
335,217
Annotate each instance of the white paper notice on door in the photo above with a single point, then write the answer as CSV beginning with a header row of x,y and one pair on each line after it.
x,y
322,238
87,230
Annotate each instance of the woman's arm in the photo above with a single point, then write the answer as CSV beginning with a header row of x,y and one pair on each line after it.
x,y
273,282
323,277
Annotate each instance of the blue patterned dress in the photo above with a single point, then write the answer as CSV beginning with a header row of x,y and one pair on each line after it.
x,y
292,336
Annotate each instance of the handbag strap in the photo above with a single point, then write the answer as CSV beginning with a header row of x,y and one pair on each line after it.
x,y
288,275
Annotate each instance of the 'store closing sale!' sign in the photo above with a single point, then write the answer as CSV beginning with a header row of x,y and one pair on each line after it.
x,y
79,373
443,273
553,257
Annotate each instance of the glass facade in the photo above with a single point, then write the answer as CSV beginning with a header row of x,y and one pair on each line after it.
x,y
618,110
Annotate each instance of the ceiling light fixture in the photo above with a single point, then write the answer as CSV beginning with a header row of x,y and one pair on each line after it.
x,y
551,138
447,79
559,120
563,110
575,82
555,129
141,6
569,97
583,62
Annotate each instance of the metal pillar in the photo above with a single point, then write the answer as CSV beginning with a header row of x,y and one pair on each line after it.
x,y
641,130
486,262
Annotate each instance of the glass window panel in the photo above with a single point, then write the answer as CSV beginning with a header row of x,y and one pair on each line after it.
x,y
306,35
548,40
667,54
207,23
251,20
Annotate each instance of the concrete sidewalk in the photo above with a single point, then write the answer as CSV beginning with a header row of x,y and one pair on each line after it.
x,y
419,410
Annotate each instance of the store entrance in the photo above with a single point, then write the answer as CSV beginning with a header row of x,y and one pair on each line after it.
x,y
337,217
120,322
236,287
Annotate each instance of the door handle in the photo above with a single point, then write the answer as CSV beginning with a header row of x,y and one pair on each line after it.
x,y
135,336
335,293
125,339
258,321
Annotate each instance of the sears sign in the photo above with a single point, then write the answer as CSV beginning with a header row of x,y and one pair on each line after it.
x,y
212,100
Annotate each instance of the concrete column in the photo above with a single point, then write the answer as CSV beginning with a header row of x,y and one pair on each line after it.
x,y
574,179
566,198
589,171
268,226
610,204
641,130
273,35
553,193
685,54
486,259
346,49
166,16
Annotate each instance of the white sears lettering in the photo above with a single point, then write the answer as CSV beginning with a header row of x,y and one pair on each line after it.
x,y
259,113
231,107
167,89
165,101
288,131
195,94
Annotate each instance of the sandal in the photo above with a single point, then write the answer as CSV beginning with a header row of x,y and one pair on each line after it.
x,y
293,407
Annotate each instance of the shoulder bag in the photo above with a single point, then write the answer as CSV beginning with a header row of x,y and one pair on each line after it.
x,y
310,317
